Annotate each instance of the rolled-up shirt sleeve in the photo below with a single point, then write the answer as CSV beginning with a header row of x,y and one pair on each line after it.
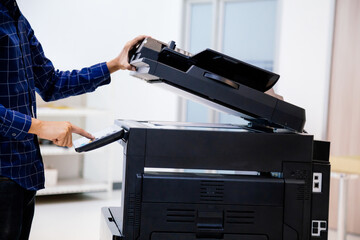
x,y
13,124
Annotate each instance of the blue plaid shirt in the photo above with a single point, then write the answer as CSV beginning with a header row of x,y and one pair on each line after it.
x,y
24,69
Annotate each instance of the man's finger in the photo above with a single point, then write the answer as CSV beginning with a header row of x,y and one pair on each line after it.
x,y
128,66
65,143
59,142
68,140
82,132
69,144
55,141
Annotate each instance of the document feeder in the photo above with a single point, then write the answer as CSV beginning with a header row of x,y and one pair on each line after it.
x,y
184,181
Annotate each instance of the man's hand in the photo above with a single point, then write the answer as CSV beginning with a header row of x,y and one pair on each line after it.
x,y
122,61
57,132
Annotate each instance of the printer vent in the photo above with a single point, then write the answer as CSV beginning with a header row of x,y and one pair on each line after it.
x,y
211,191
300,192
304,190
240,217
133,211
180,215
137,209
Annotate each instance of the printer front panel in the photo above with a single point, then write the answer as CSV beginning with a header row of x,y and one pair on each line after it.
x,y
225,150
192,206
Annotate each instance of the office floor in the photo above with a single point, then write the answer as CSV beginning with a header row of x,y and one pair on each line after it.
x,y
77,217
70,217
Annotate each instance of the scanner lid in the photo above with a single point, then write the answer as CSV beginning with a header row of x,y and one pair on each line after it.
x,y
217,80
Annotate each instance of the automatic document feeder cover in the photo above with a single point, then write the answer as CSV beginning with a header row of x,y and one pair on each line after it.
x,y
217,80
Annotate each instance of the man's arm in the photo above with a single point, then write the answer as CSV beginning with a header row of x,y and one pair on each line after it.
x,y
53,84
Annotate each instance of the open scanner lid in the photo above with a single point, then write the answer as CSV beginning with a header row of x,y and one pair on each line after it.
x,y
217,80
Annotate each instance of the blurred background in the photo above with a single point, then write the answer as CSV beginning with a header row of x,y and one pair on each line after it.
x,y
313,45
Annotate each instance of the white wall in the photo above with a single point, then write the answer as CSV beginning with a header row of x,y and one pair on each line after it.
x,y
304,54
79,33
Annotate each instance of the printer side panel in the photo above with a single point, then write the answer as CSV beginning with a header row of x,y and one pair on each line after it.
x,y
306,201
320,201
320,191
297,200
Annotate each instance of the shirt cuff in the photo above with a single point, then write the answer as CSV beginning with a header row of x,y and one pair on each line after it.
x,y
16,125
100,74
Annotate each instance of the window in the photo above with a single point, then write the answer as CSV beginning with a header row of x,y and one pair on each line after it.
x,y
243,29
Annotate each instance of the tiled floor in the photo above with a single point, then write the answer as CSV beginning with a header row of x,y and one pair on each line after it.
x,y
77,217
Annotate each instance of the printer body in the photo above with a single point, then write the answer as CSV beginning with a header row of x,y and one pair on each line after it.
x,y
266,180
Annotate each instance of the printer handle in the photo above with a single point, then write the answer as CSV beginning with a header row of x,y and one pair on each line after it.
x,y
222,80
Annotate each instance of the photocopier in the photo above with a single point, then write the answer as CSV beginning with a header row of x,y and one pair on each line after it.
x,y
265,180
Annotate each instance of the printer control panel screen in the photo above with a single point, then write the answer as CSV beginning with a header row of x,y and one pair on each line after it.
x,y
102,138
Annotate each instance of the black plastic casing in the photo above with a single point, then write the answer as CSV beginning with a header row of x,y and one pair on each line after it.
x,y
189,206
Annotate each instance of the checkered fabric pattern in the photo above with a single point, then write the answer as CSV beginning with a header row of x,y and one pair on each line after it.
x,y
24,69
